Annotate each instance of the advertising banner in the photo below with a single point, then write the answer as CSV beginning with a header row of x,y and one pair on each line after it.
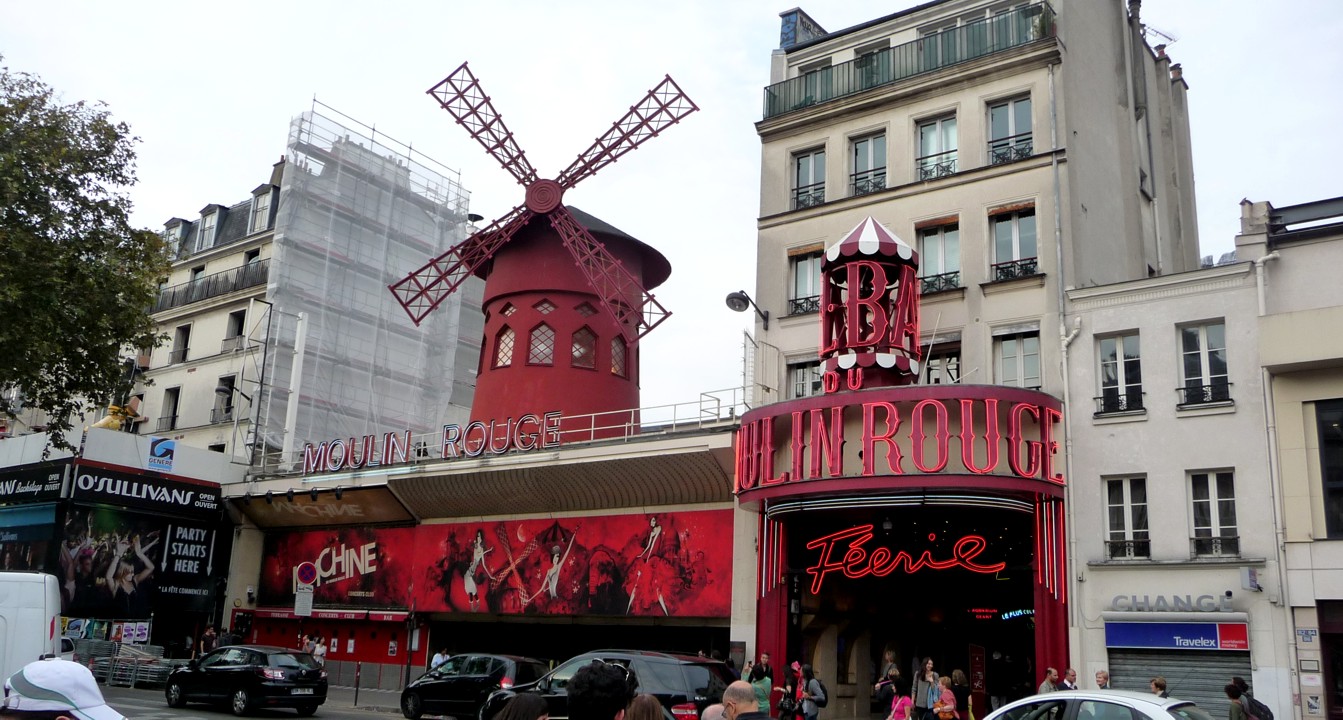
x,y
666,564
195,499
125,565
26,532
32,484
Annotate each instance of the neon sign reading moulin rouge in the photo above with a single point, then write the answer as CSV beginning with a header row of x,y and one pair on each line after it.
x,y
857,562
528,432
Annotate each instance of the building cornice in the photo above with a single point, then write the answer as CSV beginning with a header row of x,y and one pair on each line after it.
x,y
1195,282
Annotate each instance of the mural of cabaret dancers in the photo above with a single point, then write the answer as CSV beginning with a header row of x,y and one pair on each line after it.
x,y
651,576
478,565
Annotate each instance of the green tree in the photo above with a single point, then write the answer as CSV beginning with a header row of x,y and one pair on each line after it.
x,y
76,280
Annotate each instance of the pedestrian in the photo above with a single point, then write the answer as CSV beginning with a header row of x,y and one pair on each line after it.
x,y
960,687
1158,686
309,644
1069,681
716,711
739,703
55,688
1103,679
790,703
926,691
885,686
945,706
439,658
600,691
319,650
1050,683
902,706
209,641
761,677
812,693
644,707
1238,711
526,706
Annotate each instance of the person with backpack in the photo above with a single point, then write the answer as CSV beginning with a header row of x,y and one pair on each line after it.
x,y
813,694
1238,711
1252,706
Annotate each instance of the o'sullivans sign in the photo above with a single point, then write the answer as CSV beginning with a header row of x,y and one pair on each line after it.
x,y
968,431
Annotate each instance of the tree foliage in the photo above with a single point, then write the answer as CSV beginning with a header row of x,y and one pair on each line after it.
x,y
77,281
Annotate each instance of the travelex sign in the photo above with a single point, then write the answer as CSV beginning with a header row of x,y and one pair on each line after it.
x,y
529,432
1177,635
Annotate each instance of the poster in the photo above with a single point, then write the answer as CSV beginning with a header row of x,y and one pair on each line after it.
x,y
25,536
142,632
117,630
665,564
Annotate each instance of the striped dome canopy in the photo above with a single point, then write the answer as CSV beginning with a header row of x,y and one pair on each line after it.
x,y
870,238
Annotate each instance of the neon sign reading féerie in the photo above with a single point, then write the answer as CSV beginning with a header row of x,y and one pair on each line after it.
x,y
857,562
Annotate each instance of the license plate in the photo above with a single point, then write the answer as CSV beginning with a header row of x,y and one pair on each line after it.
x,y
301,691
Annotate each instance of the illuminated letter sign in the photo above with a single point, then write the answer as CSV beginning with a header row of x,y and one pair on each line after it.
x,y
856,562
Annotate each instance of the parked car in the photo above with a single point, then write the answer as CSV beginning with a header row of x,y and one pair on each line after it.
x,y
1098,705
684,684
247,677
67,649
459,686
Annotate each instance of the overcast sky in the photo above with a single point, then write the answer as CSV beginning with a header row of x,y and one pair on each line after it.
x,y
210,89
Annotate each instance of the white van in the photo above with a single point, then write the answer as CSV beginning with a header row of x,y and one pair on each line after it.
x,y
30,617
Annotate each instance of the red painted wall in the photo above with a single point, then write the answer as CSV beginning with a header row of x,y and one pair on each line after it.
x,y
371,639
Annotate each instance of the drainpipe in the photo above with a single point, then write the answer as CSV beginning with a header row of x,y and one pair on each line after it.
x,y
1259,279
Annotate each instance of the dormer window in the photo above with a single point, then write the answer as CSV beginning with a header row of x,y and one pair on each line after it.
x,y
205,234
260,212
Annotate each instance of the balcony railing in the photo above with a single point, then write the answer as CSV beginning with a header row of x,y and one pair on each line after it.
x,y
804,305
1021,26
941,283
1113,401
935,166
1205,394
178,356
231,343
211,286
166,423
1128,549
221,415
1011,148
867,181
1214,546
1014,269
808,196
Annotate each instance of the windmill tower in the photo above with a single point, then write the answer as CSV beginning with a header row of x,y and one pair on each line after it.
x,y
567,296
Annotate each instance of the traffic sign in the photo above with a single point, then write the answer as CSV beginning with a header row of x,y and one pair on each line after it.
x,y
307,573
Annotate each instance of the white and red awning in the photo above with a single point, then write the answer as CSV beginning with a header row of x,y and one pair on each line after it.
x,y
870,239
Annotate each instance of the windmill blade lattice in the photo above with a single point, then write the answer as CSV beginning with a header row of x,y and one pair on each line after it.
x,y
461,96
663,106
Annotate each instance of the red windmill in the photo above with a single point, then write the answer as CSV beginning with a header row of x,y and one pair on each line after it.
x,y
573,282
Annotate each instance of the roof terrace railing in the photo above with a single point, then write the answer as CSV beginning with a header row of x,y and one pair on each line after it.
x,y
1017,27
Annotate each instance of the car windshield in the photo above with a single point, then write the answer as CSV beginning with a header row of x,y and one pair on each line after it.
x,y
302,661
1188,711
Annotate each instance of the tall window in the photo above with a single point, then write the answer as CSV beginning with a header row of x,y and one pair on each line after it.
x,y
205,234
1329,422
808,178
181,344
260,212
542,348
223,409
942,364
805,271
1126,519
1018,360
618,352
503,347
1203,364
583,349
168,420
1120,374
1010,131
804,379
940,258
869,165
1014,249
937,148
1213,496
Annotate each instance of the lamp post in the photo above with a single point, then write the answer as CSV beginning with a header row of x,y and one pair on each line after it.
x,y
739,301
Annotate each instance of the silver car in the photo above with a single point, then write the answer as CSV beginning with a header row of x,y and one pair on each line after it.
x,y
1099,705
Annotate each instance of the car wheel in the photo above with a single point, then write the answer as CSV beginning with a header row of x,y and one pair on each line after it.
x,y
411,705
176,698
306,710
242,702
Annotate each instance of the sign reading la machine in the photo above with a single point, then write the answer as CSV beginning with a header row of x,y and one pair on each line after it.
x,y
1177,636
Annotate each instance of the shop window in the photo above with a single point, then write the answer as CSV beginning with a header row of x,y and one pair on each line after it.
x,y
1329,423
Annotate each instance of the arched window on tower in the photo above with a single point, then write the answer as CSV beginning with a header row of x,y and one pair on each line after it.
x,y
541,351
584,349
618,364
503,347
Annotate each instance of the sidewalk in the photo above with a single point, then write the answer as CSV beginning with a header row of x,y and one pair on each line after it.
x,y
387,701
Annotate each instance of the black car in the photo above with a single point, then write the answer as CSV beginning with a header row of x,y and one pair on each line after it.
x,y
684,684
247,677
462,683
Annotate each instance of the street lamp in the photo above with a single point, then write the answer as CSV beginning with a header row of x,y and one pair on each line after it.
x,y
739,301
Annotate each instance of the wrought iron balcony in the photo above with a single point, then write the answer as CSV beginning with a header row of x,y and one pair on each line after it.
x,y
178,356
1014,269
804,305
1021,26
868,181
941,283
1113,401
1215,546
211,286
935,166
1128,549
221,415
1205,394
808,196
167,422
1011,148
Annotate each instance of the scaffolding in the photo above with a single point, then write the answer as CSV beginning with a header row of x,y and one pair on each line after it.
x,y
358,210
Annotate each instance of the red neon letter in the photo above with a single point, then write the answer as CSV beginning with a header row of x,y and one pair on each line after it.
x,y
868,308
991,435
905,317
858,563
943,435
1051,446
828,443
871,438
1014,440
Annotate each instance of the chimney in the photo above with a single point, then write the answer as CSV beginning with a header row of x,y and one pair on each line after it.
x,y
1176,72
1160,50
